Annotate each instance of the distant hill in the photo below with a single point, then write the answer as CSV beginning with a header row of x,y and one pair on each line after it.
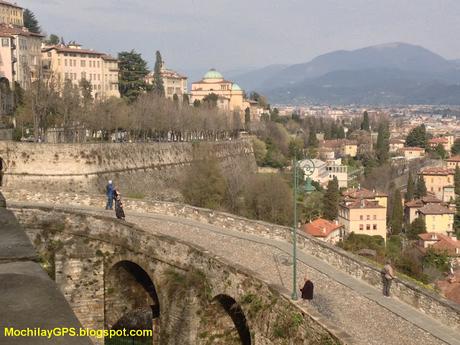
x,y
395,73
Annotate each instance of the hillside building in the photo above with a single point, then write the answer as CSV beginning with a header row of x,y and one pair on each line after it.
x,y
440,182
174,83
325,230
11,14
72,62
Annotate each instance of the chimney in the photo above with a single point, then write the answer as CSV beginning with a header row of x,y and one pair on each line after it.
x,y
362,203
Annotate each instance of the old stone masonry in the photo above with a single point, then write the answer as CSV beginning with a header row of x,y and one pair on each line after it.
x,y
347,298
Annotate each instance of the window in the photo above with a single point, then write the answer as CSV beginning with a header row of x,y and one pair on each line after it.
x,y
374,227
368,226
66,75
375,217
368,217
361,217
82,63
5,42
361,227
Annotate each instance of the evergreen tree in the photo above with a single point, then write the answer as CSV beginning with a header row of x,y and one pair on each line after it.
x,y
86,90
410,188
158,85
420,189
441,151
133,70
417,227
417,137
365,126
457,180
176,100
52,40
247,116
341,134
457,216
455,150
383,143
331,200
312,139
30,22
397,215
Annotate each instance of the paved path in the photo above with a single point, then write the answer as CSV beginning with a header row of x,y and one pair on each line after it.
x,y
355,307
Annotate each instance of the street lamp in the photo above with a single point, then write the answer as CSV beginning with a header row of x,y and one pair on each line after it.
x,y
308,171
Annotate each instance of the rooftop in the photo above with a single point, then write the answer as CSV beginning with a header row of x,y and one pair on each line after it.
x,y
15,30
437,171
454,159
321,227
435,209
440,140
413,149
9,4
362,193
443,242
361,203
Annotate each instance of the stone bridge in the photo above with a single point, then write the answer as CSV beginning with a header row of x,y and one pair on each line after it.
x,y
202,275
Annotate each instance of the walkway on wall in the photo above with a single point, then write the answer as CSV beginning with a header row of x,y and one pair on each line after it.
x,y
358,309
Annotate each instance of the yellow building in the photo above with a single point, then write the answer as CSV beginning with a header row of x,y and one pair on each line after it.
x,y
440,182
71,62
341,147
174,83
438,218
364,217
413,152
453,162
11,14
20,55
230,95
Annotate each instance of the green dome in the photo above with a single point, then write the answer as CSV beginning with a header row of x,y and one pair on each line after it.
x,y
236,87
213,74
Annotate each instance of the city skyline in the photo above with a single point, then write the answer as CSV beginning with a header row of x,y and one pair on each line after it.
x,y
233,35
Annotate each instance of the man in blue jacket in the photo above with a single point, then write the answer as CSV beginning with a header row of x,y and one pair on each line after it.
x,y
109,192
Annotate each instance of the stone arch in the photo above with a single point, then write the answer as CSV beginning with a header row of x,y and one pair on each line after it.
x,y
225,317
131,299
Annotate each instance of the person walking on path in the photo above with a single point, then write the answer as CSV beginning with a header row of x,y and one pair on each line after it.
x,y
119,211
109,191
307,289
388,275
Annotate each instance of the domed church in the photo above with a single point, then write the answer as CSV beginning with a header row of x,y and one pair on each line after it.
x,y
231,96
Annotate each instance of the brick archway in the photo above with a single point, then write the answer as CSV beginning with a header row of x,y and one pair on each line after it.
x,y
131,299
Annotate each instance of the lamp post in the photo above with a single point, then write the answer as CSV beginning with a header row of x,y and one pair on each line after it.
x,y
309,169
294,235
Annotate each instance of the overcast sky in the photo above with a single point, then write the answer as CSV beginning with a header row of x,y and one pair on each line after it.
x,y
194,35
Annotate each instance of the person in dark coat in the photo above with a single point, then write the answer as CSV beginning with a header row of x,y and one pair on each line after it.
x,y
119,211
307,289
109,191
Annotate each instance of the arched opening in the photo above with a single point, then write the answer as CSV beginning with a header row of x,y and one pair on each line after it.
x,y
223,322
131,302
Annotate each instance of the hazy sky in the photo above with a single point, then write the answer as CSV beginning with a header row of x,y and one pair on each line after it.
x,y
194,35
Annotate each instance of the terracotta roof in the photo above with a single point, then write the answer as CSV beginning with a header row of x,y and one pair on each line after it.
x,y
15,30
9,4
337,143
443,242
362,193
361,203
440,140
413,149
65,49
396,141
435,209
414,203
437,171
454,159
321,227
109,58
431,199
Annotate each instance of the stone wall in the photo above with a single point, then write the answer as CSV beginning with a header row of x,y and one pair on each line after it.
x,y
139,169
86,247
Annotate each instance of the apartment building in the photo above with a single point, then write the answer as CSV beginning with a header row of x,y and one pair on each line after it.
x,y
413,153
438,218
11,14
174,83
72,62
363,217
20,55
453,162
440,181
341,147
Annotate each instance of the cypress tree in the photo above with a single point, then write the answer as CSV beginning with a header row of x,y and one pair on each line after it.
x,y
410,188
420,189
365,126
397,215
331,200
383,143
457,180
31,22
158,86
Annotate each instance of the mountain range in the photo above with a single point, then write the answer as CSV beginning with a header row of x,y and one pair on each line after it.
x,y
393,73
